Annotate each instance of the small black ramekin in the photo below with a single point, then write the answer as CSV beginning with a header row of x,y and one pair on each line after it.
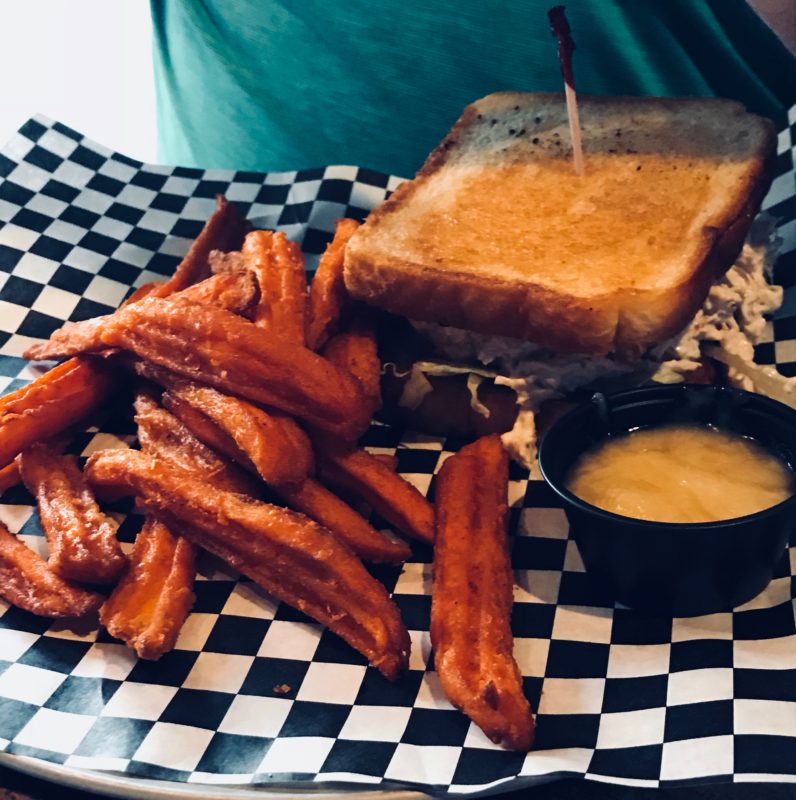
x,y
679,569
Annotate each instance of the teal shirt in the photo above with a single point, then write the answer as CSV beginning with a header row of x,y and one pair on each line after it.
x,y
290,84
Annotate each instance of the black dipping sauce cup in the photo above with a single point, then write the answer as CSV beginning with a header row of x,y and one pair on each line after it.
x,y
680,569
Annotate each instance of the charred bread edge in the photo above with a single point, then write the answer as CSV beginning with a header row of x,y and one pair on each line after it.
x,y
525,310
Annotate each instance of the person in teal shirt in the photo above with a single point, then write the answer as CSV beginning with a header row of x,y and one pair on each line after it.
x,y
290,84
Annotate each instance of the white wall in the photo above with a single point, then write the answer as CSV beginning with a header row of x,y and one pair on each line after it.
x,y
86,63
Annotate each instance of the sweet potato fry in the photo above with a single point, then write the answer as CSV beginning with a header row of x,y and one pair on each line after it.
x,y
269,444
213,346
304,495
359,473
28,583
287,554
226,262
387,460
252,443
223,231
318,503
142,291
52,403
149,605
256,256
356,351
82,540
472,595
162,435
9,476
237,292
279,265
327,289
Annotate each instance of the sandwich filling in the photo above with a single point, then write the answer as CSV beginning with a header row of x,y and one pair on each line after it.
x,y
731,322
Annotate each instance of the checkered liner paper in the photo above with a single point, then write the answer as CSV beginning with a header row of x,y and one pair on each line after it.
x,y
620,696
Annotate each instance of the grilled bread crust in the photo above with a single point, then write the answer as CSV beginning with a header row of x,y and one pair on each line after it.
x,y
498,235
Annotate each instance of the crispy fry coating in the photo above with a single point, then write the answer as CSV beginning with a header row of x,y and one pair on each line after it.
x,y
472,595
318,503
235,291
52,403
238,292
359,473
356,351
82,540
255,255
328,294
213,346
149,605
223,231
279,265
287,554
162,435
226,262
269,444
28,583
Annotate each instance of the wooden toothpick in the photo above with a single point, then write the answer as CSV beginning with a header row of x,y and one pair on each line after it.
x,y
560,28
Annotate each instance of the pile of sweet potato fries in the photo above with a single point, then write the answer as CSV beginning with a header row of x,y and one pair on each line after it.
x,y
248,384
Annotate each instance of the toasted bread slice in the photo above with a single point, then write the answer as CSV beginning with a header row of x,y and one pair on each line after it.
x,y
498,234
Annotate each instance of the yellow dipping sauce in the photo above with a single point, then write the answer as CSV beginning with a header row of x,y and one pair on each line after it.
x,y
681,473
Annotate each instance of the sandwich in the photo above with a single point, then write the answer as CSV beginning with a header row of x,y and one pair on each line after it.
x,y
524,282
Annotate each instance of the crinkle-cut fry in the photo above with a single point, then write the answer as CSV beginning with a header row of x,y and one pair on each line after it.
x,y
356,351
212,346
50,404
328,294
289,555
237,292
149,605
361,474
28,583
224,230
351,528
279,265
472,595
81,539
268,443
164,436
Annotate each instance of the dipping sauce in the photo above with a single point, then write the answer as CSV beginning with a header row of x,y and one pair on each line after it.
x,y
681,473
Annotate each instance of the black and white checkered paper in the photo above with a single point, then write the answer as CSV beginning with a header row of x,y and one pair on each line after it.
x,y
620,696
